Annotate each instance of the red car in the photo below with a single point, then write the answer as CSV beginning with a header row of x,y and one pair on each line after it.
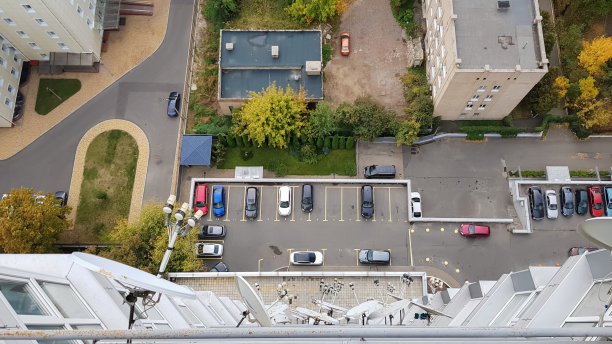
x,y
472,230
595,201
201,198
345,48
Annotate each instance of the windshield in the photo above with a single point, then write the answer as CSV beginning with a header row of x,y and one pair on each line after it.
x,y
250,206
538,207
370,255
200,204
218,205
553,207
367,204
597,206
284,204
307,200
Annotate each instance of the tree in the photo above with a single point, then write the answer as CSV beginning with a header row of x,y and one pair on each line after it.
x,y
274,114
544,96
30,223
548,29
220,10
322,120
569,42
367,119
335,142
408,132
312,10
595,54
590,110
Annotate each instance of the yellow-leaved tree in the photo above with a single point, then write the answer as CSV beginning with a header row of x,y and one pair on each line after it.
x,y
596,53
561,84
274,114
589,108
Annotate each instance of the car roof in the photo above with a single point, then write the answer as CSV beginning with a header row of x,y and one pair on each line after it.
x,y
415,194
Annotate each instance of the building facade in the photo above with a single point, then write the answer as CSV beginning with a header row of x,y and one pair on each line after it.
x,y
34,29
483,56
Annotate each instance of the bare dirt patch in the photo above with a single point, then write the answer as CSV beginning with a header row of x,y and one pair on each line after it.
x,y
378,57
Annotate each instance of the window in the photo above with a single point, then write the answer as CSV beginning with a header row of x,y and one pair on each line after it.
x,y
439,81
444,71
62,45
41,22
443,50
11,90
66,300
80,11
587,312
9,21
14,72
488,98
482,88
462,115
33,45
476,115
2,62
28,8
52,34
475,98
495,88
89,23
22,34
482,106
469,106
91,7
44,56
19,294
434,91
441,30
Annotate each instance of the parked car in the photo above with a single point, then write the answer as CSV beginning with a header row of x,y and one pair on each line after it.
x,y
211,232
208,250
536,202
415,203
567,201
595,201
575,251
219,267
284,201
345,48
379,171
472,230
374,257
201,198
306,258
62,197
367,201
608,200
582,202
552,208
174,101
250,206
307,199
218,201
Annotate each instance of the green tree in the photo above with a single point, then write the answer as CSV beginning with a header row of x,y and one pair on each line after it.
x,y
322,120
367,119
350,143
326,142
569,42
548,29
342,143
274,114
335,142
307,11
408,132
30,225
544,96
220,11
319,142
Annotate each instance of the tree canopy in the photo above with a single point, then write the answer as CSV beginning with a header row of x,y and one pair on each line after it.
x,y
313,10
367,119
323,120
30,224
595,54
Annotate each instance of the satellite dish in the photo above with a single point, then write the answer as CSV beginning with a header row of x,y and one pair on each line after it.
x,y
390,309
277,313
431,310
361,309
316,315
598,230
132,278
253,302
329,306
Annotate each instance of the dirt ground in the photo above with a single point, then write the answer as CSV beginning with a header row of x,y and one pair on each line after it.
x,y
378,57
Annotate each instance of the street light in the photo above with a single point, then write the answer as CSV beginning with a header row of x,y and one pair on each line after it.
x,y
176,227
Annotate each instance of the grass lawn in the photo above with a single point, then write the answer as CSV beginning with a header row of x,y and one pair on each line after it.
x,y
263,14
106,190
53,92
338,161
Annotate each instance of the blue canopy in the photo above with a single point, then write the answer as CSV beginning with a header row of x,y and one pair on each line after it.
x,y
196,150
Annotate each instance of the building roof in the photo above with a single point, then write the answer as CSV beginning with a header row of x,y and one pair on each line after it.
x,y
196,150
249,66
500,38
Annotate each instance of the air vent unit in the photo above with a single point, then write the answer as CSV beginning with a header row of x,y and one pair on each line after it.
x,y
503,5
229,46
275,51
313,67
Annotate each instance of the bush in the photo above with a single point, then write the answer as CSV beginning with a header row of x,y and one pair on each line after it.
x,y
507,121
350,143
504,131
245,141
231,140
311,141
319,142
217,125
334,144
218,154
326,142
254,143
308,154
342,143
239,142
101,195
221,140
529,174
475,137
326,51
246,155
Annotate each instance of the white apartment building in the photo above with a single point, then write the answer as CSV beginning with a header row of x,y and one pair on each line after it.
x,y
483,56
41,30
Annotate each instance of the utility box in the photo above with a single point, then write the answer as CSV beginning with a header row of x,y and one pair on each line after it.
x,y
229,46
275,51
313,67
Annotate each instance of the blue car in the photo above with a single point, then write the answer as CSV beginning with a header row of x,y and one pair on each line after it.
x,y
218,201
174,101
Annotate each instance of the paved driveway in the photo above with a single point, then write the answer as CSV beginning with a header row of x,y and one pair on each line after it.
x,y
47,163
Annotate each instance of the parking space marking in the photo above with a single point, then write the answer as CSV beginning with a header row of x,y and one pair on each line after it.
x,y
308,217
341,203
323,249
227,203
390,215
210,204
276,212
289,255
410,246
259,206
390,258
356,256
358,207
373,205
292,203
243,201
325,208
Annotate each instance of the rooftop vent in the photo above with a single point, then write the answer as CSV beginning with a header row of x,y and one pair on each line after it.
x,y
503,4
275,51
313,67
505,41
229,46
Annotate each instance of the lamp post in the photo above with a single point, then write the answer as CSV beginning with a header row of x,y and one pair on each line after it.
x,y
176,227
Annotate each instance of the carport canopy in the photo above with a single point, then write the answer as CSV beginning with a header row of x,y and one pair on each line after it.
x,y
196,150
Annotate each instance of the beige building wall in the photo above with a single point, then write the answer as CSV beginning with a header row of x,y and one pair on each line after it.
x,y
459,92
10,70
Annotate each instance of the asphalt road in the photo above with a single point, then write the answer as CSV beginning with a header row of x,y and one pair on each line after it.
x,y
138,96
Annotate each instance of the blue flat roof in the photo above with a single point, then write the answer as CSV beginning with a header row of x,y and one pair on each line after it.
x,y
251,67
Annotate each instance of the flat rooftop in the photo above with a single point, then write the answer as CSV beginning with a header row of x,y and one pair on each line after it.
x,y
500,38
249,66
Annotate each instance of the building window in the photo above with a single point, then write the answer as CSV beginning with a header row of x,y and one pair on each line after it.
x,y
475,98
462,115
488,98
439,81
434,91
482,106
441,30
469,106
66,300
10,21
14,72
482,88
19,294
11,89
63,45
52,34
33,45
89,23
495,88
91,7
6,48
22,34
443,50
444,71
80,11
44,56
476,115
41,22
2,62
28,8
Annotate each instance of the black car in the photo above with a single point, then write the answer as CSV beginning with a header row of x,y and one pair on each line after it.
x,y
536,201
250,206
219,267
211,232
367,201
174,102
307,198
62,197
567,201
582,202
374,257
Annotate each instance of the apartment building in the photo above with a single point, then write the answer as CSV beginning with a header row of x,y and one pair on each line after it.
x,y
483,56
50,31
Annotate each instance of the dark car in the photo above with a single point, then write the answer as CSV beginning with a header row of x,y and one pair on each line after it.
x,y
219,267
567,201
250,205
367,201
307,198
19,108
374,257
218,201
582,202
536,201
211,232
62,197
596,201
608,200
379,171
174,101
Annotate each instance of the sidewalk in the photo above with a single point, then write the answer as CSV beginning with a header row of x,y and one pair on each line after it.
x,y
127,48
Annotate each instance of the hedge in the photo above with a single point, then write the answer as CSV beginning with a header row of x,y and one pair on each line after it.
x,y
574,124
503,131
573,173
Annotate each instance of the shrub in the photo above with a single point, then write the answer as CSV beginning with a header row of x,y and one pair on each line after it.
x,y
326,142
326,51
319,142
239,142
334,144
308,154
218,154
475,137
528,174
504,131
311,141
342,143
221,140
507,121
246,155
245,141
217,125
101,195
254,143
231,140
350,143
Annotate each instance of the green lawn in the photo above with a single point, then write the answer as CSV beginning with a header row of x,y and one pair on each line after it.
x,y
53,92
339,161
106,190
264,15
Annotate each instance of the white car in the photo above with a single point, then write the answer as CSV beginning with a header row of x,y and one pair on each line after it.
x,y
415,202
207,250
284,201
306,258
552,207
